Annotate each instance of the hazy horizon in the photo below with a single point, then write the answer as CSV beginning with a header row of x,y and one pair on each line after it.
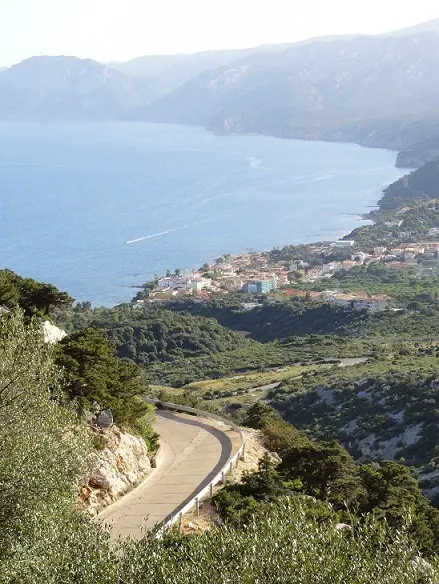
x,y
105,31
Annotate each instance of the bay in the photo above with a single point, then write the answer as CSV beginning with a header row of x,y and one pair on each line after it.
x,y
98,208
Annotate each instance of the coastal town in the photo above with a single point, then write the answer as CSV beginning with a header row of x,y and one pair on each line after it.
x,y
259,275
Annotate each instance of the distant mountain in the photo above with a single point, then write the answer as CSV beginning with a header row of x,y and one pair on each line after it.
x,y
71,89
378,91
147,66
429,26
372,90
171,71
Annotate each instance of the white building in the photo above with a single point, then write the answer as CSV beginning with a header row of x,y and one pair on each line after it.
x,y
374,303
343,243
165,282
198,284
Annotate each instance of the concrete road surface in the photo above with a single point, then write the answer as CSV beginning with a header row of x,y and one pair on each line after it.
x,y
194,450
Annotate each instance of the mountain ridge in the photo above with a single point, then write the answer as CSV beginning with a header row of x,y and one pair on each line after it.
x,y
291,94
378,91
63,88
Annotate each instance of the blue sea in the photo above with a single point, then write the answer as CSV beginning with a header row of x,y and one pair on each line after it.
x,y
99,208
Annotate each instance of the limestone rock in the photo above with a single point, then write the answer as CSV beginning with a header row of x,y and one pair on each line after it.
x,y
52,334
102,478
275,458
119,467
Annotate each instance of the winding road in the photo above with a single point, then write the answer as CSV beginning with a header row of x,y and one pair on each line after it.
x,y
193,452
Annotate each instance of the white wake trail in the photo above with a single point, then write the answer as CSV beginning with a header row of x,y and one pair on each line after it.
x,y
158,234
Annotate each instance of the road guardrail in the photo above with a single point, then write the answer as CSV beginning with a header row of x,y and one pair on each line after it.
x,y
219,478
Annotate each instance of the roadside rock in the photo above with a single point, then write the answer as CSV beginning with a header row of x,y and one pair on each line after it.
x,y
120,466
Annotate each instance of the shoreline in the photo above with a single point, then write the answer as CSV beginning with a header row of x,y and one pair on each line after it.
x,y
399,152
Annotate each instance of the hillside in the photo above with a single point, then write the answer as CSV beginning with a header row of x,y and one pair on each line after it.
x,y
420,185
68,89
314,500
378,411
172,347
429,26
420,153
352,80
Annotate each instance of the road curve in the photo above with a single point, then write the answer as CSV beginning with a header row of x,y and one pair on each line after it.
x,y
193,452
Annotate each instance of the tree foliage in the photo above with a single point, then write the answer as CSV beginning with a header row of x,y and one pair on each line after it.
x,y
96,378
33,297
43,449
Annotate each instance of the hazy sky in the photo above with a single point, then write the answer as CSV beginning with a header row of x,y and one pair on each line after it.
x,y
122,29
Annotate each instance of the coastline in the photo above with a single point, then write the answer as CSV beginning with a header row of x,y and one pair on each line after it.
x,y
402,153
94,263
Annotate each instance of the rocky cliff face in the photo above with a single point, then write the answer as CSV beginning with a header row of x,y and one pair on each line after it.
x,y
52,334
122,462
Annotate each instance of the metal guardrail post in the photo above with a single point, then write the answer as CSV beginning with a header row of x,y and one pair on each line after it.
x,y
197,503
211,490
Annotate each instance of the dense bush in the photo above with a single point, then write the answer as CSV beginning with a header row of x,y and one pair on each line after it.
x,y
285,544
152,334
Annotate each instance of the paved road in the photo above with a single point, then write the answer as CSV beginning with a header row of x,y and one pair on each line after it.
x,y
194,451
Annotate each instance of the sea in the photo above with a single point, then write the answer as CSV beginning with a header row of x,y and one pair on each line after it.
x,y
98,209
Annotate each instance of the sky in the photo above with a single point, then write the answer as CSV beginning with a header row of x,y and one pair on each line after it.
x,y
108,30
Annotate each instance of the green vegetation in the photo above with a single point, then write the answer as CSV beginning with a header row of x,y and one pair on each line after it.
x,y
274,321
245,382
43,448
230,396
35,298
422,184
404,286
309,328
153,334
385,409
95,379
294,507
310,253
407,225
326,472
175,348
45,540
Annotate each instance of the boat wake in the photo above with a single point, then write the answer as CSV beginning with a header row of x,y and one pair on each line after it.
x,y
157,234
